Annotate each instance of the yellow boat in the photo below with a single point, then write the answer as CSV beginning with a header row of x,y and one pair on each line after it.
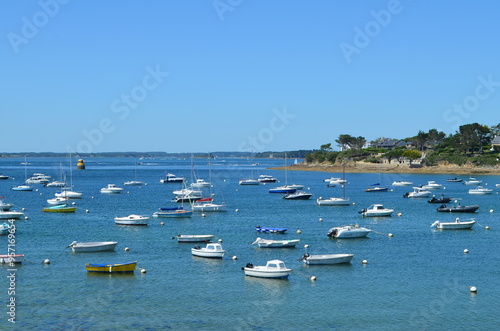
x,y
111,268
60,209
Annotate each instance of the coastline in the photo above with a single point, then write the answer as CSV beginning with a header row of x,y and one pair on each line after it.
x,y
361,167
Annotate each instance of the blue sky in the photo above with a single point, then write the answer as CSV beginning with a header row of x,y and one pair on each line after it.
x,y
234,75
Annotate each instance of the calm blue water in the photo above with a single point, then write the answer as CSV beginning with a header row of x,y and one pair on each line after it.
x,y
417,280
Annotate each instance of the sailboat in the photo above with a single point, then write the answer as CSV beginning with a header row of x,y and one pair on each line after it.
x,y
376,187
134,182
66,191
251,180
336,201
286,189
23,187
207,204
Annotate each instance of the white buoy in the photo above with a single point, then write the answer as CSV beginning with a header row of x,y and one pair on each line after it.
x,y
26,218
364,262
92,197
306,246
487,227
202,215
86,210
390,235
491,210
46,261
23,209
298,231
41,194
466,251
126,249
162,223
220,240
354,203
73,203
128,192
321,219
236,190
472,289
36,190
143,271
234,257
313,278
399,214
236,210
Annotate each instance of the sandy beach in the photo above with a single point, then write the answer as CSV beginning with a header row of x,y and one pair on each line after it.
x,y
362,167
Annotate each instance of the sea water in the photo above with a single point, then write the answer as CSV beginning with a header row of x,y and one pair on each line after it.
x,y
417,279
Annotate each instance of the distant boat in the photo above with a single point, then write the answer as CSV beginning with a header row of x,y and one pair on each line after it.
x,y
376,188
22,188
10,214
266,229
171,178
418,192
473,181
133,183
282,189
193,238
213,250
207,205
57,201
249,182
200,183
111,268
300,195
60,209
132,220
480,190
111,189
455,180
67,193
175,212
458,209
272,269
348,231
457,225
443,199
98,246
266,179
326,258
402,183
2,177
376,210
336,201
7,258
55,184
268,243
5,206
432,185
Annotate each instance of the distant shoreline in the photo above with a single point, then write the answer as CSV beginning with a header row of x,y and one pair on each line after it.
x,y
361,167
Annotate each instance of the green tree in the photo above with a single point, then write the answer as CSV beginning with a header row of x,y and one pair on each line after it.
x,y
411,154
344,141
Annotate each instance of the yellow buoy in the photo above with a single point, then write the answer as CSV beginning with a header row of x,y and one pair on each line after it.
x,y
80,165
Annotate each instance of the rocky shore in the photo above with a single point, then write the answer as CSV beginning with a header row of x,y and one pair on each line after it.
x,y
362,167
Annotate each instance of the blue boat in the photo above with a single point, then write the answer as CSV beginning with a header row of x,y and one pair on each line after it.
x,y
266,229
4,228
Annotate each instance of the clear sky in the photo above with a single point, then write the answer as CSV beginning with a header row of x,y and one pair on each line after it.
x,y
240,75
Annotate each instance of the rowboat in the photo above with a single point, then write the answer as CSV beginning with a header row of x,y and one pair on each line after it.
x,y
132,220
213,250
457,225
326,258
268,243
272,269
14,258
111,268
60,209
193,238
97,246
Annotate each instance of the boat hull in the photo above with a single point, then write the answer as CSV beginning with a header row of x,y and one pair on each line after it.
x,y
94,247
195,238
10,215
328,259
348,232
16,258
333,202
266,243
173,214
56,209
466,209
132,220
111,268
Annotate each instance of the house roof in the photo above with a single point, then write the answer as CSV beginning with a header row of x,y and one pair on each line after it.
x,y
496,140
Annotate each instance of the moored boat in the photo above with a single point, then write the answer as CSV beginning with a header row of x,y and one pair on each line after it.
x,y
348,231
333,202
11,258
300,195
402,183
456,225
5,206
272,269
10,214
454,180
132,220
111,189
376,210
22,188
171,178
193,238
282,189
111,268
480,190
432,185
418,192
473,181
326,258
268,243
174,212
443,199
266,229
458,209
97,246
266,179
59,209
212,250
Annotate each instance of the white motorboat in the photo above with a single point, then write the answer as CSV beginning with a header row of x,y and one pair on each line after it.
x,y
268,243
283,189
55,184
9,214
57,201
249,182
38,178
473,181
333,181
111,189
418,192
266,179
187,192
207,205
326,258
171,178
299,195
22,188
348,231
67,193
132,220
3,177
480,190
193,238
272,269
402,183
97,246
11,258
333,202
213,250
376,210
5,206
134,183
432,185
457,225
200,183
295,186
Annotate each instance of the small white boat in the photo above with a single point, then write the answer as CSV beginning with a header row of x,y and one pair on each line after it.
x,y
326,258
333,202
171,178
249,182
376,210
38,178
5,215
299,195
283,189
67,193
480,190
194,238
132,220
268,243
97,246
111,189
295,186
22,188
57,201
267,179
5,206
402,183
55,184
272,269
418,192
14,258
335,181
348,231
187,192
200,183
173,212
133,183
473,181
432,185
457,225
3,177
213,250
207,205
